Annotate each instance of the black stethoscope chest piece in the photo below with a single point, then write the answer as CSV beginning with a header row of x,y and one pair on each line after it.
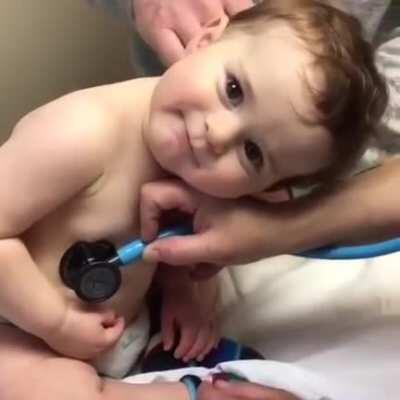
x,y
91,270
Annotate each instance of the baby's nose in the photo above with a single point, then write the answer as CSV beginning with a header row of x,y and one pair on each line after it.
x,y
222,132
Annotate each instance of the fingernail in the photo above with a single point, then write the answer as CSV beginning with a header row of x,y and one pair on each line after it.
x,y
151,255
221,383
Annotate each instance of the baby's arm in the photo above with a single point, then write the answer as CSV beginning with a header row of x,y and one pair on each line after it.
x,y
189,312
53,153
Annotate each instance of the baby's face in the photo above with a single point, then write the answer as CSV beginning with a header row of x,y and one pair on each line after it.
x,y
227,119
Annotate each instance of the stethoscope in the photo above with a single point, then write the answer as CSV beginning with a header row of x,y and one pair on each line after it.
x,y
92,269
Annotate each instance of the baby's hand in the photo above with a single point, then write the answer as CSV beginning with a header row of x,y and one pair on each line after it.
x,y
189,313
222,390
84,334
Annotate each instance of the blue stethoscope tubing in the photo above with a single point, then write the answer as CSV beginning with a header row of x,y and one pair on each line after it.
x,y
133,251
354,252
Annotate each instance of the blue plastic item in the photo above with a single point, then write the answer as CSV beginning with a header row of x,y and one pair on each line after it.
x,y
354,252
133,251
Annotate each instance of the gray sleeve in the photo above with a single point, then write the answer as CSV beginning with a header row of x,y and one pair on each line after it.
x,y
144,61
121,9
388,61
368,12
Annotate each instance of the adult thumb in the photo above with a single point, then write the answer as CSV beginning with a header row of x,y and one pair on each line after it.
x,y
182,250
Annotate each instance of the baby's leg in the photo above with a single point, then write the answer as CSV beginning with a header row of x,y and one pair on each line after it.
x,y
30,370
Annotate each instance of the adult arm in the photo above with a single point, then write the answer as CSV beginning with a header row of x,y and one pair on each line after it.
x,y
365,208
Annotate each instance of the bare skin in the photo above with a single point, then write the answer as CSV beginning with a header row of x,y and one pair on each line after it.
x,y
169,26
84,183
47,224
72,170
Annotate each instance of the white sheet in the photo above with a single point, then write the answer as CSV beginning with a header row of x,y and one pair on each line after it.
x,y
330,330
338,319
358,365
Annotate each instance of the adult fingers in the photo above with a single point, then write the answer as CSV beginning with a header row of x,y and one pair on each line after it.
x,y
183,250
161,196
207,391
233,7
167,44
187,29
252,391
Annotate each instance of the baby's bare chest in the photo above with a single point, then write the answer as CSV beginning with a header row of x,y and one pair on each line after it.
x,y
109,210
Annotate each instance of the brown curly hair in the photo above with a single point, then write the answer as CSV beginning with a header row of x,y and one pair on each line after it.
x,y
354,97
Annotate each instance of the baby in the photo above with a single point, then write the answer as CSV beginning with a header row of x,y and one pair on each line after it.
x,y
287,92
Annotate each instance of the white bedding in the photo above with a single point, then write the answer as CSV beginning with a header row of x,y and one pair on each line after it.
x,y
329,330
340,319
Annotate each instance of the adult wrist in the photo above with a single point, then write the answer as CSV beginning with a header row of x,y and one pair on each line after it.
x,y
329,217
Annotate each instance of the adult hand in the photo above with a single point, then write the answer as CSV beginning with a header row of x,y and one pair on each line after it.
x,y
222,390
167,26
226,232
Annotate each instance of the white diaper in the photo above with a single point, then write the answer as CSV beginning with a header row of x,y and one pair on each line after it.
x,y
119,360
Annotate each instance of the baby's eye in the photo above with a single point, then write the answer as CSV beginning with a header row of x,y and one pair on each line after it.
x,y
233,91
253,154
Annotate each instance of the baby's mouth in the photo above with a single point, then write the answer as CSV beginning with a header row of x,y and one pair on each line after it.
x,y
190,144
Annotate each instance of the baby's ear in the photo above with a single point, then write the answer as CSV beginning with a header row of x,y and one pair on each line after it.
x,y
209,33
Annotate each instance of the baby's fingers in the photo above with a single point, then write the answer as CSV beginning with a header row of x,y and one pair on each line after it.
x,y
167,332
113,332
207,391
203,336
108,318
213,341
188,337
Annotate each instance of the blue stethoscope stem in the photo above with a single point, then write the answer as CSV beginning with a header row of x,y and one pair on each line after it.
x,y
133,251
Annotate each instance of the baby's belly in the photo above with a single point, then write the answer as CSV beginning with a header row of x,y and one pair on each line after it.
x,y
129,299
